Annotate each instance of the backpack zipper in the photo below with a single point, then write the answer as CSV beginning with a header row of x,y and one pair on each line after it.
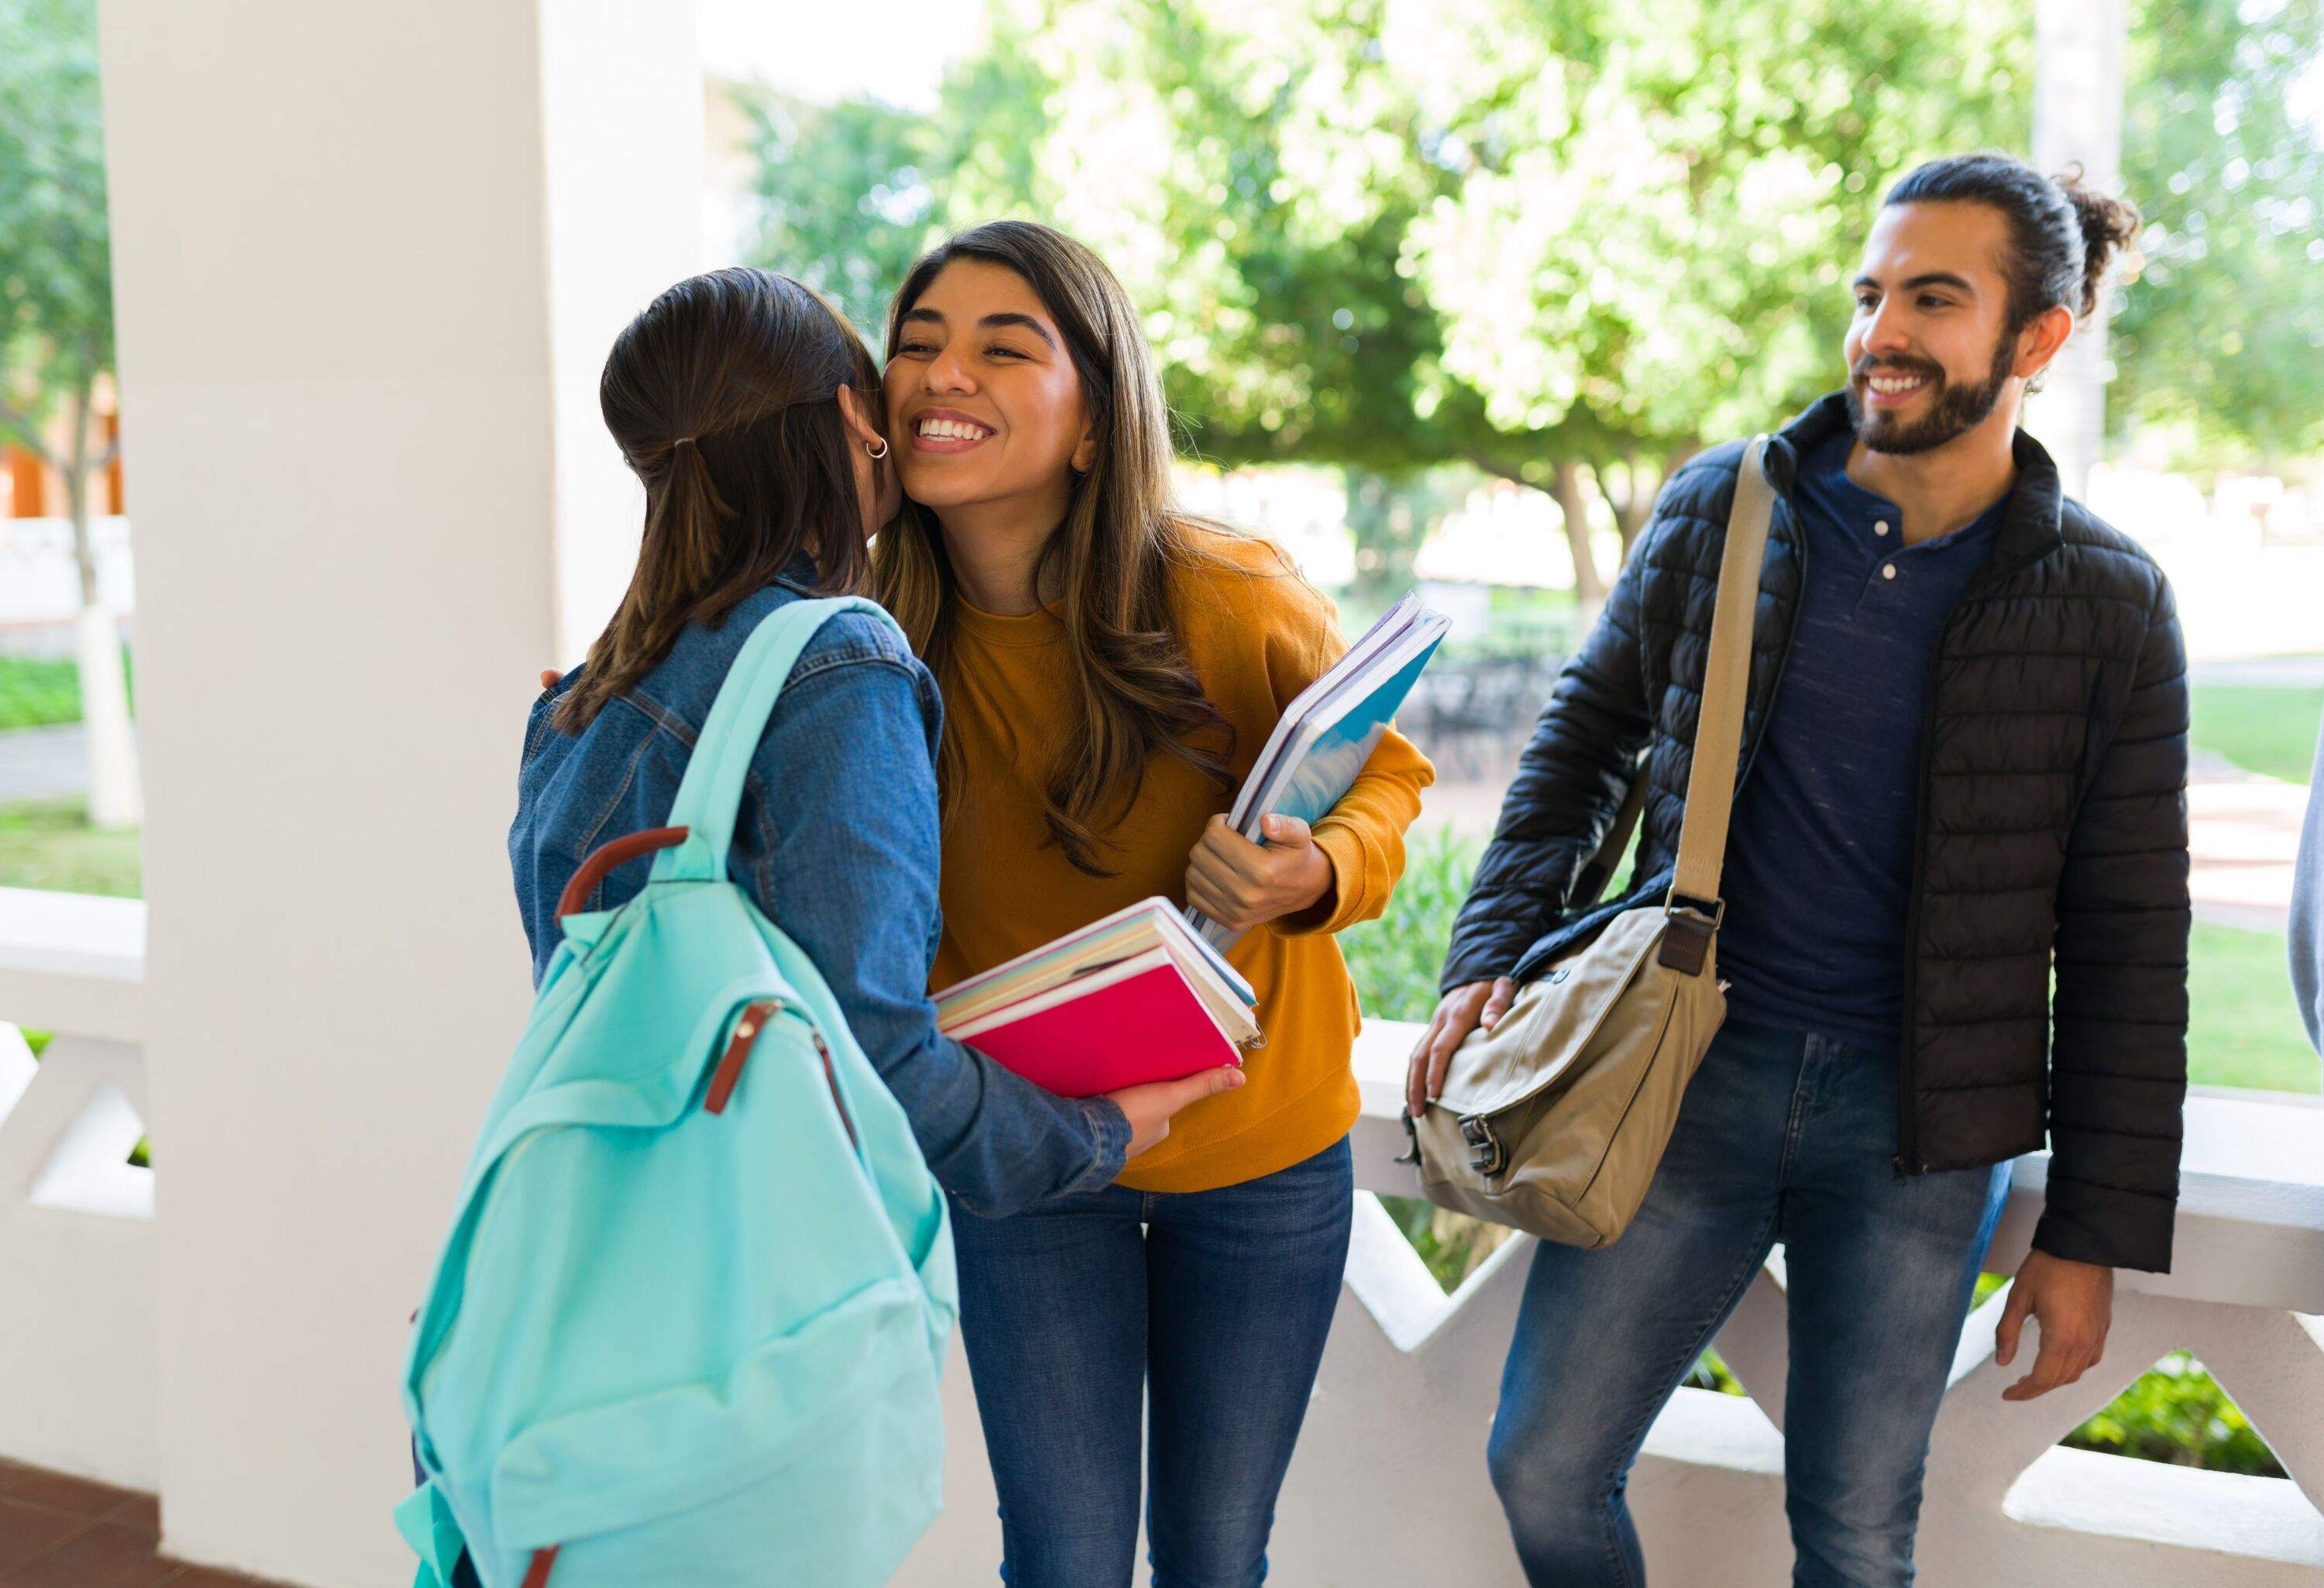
x,y
831,1079
756,1018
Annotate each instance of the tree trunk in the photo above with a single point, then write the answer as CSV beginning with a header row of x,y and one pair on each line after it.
x,y
1574,503
1636,505
114,800
2078,111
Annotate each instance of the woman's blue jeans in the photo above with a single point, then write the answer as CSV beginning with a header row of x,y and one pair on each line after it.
x,y
1212,1305
1782,1137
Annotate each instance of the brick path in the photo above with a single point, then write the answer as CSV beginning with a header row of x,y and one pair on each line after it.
x,y
61,1532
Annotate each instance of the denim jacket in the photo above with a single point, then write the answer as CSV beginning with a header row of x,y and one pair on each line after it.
x,y
836,841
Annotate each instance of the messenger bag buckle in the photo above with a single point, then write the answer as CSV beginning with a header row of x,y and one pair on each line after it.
x,y
1485,1152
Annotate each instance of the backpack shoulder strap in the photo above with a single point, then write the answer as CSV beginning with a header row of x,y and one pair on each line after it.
x,y
712,790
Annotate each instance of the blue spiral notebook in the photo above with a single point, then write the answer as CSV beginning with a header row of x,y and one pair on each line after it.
x,y
1326,733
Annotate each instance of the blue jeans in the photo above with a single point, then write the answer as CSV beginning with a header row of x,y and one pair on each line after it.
x,y
1782,1137
1216,1303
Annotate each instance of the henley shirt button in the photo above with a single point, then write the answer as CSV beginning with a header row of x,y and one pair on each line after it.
x,y
1889,571
1880,528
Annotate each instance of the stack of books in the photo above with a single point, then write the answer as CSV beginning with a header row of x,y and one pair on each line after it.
x,y
1136,997
1145,994
1328,731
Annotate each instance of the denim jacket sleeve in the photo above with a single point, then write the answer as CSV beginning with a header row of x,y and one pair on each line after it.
x,y
844,791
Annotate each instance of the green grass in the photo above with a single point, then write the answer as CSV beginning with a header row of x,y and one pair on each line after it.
x,y
2261,729
2245,1028
48,843
35,693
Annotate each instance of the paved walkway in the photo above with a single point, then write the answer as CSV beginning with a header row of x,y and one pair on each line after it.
x,y
42,764
2244,833
2278,672
60,1532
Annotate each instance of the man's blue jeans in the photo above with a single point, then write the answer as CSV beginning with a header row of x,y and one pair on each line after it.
x,y
1782,1137
1213,1306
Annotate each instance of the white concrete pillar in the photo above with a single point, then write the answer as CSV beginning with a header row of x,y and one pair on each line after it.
x,y
2078,89
369,257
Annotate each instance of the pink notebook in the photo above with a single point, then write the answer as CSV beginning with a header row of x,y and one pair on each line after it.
x,y
1133,1022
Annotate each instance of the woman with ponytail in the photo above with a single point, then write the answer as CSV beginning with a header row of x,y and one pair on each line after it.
x,y
1110,668
749,408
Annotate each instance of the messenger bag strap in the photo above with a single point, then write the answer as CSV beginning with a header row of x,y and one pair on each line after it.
x,y
1694,906
1593,877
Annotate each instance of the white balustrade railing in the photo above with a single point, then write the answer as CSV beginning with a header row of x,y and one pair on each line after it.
x,y
77,1352
1389,1487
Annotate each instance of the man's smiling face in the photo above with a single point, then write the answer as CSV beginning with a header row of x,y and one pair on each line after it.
x,y
1933,344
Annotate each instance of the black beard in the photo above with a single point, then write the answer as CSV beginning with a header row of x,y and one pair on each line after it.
x,y
1956,410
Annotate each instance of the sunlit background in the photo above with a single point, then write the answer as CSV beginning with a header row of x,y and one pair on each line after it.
x,y
1442,292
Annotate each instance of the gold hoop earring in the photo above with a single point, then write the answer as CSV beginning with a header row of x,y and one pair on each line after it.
x,y
876,450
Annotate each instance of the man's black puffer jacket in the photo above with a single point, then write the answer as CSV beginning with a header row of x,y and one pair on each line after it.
x,y
2053,817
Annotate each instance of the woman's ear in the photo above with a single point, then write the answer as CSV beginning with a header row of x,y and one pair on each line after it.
x,y
1085,457
855,414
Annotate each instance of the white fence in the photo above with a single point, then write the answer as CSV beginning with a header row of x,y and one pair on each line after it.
x,y
1389,1489
77,1352
39,584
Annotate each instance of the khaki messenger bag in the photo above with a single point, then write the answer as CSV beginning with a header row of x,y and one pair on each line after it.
x,y
1554,1119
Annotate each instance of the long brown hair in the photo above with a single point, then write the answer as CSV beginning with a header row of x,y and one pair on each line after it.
x,y
1110,560
721,397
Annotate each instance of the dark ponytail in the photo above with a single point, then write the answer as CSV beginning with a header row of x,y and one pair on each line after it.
x,y
2109,227
2063,234
721,396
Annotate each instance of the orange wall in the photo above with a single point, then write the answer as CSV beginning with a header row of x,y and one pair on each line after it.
x,y
28,483
34,491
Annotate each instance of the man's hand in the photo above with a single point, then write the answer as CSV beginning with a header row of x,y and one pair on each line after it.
x,y
2073,1303
1240,884
1461,1011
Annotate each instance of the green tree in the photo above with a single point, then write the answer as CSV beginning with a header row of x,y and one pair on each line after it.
x,y
56,324
1390,518
1560,243
845,200
2221,341
1248,170
1567,243
1659,205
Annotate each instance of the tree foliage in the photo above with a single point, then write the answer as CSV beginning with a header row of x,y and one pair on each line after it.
x,y
1660,200
846,204
1564,241
56,266
2221,341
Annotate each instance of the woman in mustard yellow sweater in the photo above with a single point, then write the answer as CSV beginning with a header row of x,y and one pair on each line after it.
x,y
1110,668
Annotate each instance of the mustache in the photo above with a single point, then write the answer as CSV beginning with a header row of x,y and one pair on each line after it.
x,y
1867,366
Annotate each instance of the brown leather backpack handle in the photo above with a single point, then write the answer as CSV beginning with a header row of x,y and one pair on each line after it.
x,y
619,852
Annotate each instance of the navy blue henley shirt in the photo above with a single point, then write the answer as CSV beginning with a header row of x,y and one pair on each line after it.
x,y
1820,857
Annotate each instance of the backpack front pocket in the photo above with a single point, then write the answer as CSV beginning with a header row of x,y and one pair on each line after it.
x,y
808,1464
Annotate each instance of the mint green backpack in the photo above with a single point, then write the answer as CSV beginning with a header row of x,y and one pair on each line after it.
x,y
688,1323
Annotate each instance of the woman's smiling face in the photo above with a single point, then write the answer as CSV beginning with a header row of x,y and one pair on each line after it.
x,y
983,402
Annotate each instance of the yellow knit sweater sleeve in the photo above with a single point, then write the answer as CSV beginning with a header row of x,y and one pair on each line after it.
x,y
1363,835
